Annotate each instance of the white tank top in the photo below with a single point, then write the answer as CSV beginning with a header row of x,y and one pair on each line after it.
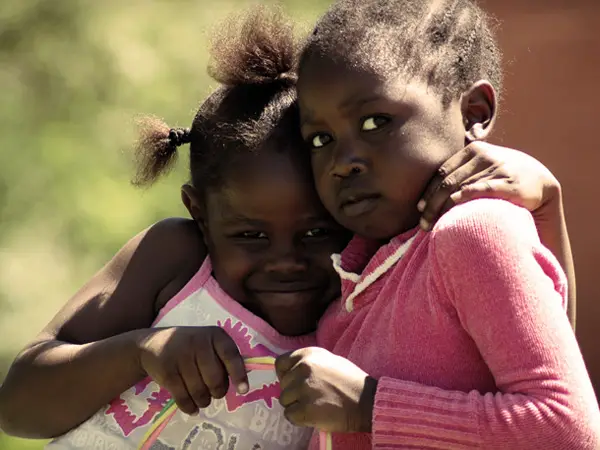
x,y
253,421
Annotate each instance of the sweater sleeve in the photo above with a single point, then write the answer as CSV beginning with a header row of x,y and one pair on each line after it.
x,y
508,293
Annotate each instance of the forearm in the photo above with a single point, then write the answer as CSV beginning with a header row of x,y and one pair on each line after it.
x,y
53,386
552,229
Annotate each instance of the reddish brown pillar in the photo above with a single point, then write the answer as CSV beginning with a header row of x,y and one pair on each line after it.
x,y
551,109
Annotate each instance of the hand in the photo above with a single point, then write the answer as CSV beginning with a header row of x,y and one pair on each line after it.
x,y
483,170
325,391
193,363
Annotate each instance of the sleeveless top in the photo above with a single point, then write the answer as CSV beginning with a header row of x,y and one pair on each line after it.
x,y
253,421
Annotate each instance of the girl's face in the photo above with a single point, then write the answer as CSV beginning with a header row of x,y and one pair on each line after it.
x,y
375,144
270,241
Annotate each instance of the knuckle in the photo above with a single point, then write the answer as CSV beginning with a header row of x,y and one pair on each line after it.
x,y
218,388
442,171
230,351
170,378
473,149
202,400
448,183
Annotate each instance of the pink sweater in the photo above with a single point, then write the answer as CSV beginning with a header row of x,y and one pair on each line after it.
x,y
465,329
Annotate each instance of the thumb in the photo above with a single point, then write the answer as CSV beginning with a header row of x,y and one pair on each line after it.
x,y
283,364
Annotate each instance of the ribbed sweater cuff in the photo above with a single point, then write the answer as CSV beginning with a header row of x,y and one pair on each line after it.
x,y
410,415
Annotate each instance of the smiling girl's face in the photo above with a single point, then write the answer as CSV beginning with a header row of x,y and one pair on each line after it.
x,y
270,240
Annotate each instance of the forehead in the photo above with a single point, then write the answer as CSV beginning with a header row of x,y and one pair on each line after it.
x,y
267,186
327,84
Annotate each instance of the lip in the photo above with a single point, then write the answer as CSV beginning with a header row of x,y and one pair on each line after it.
x,y
358,203
287,290
289,298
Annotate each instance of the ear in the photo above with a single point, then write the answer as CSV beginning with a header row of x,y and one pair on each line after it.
x,y
478,107
194,203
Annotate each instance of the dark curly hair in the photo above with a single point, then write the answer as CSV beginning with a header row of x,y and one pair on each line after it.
x,y
448,43
253,57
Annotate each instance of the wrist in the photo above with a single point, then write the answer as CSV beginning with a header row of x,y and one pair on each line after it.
x,y
367,404
551,213
138,340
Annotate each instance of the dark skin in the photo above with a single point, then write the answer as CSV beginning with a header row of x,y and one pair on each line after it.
x,y
271,254
100,343
376,145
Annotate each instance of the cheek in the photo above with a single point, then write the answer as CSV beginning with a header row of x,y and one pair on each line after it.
x,y
232,266
323,182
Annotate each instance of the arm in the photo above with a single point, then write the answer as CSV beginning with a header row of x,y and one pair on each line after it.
x,y
552,228
483,170
89,347
503,285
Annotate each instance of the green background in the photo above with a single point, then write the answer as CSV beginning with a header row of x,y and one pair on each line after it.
x,y
73,75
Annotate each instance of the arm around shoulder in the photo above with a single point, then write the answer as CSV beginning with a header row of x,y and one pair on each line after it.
x,y
90,346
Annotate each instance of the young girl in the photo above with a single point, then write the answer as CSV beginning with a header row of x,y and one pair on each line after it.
x,y
453,339
184,301
179,307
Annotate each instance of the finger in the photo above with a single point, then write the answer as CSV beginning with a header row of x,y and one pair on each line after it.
x,y
451,164
292,390
194,384
471,171
174,384
503,189
447,206
284,363
213,372
233,362
297,414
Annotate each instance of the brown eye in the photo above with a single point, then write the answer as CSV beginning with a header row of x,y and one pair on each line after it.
x,y
317,233
374,122
320,140
253,235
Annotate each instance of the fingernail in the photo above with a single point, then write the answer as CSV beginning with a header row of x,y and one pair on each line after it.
x,y
242,388
421,205
424,224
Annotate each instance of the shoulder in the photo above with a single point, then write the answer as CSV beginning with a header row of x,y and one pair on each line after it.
x,y
489,222
175,249
129,290
175,237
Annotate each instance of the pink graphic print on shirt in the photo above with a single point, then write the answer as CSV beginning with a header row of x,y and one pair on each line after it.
x,y
266,393
128,421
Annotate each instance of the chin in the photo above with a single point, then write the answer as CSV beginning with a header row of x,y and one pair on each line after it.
x,y
295,328
383,229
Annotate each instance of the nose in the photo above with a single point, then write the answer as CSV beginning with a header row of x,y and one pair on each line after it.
x,y
286,263
348,162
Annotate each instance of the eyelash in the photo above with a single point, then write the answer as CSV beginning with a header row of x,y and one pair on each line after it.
x,y
363,120
251,235
256,235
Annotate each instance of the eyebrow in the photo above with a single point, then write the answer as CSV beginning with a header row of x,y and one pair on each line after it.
x,y
237,219
356,100
353,101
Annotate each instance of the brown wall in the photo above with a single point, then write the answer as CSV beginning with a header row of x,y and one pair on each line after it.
x,y
551,110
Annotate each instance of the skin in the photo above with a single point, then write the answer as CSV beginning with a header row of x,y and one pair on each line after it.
x,y
377,144
272,253
276,261
100,343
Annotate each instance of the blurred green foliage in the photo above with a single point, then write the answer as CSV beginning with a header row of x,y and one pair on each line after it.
x,y
73,74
